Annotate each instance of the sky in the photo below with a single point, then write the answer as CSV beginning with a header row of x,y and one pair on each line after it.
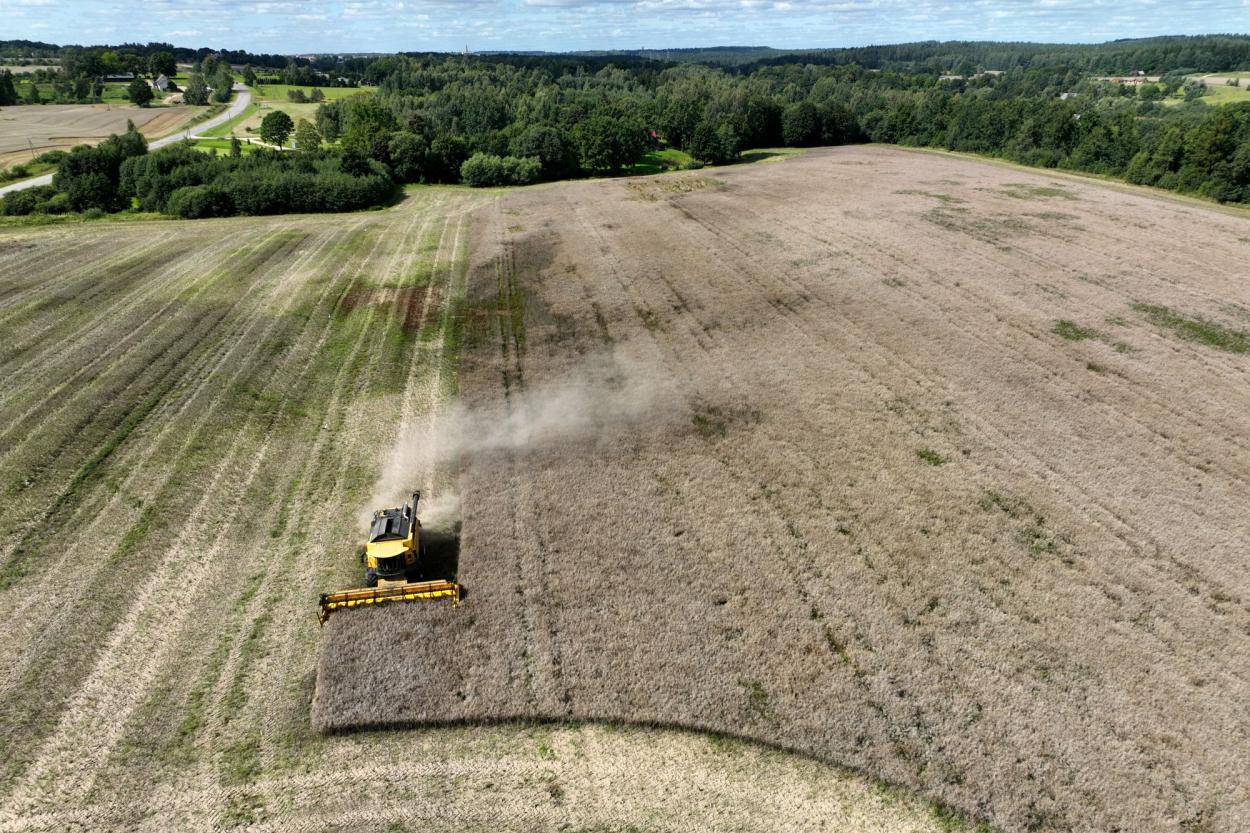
x,y
346,26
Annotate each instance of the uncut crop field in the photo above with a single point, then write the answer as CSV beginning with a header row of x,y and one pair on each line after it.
x,y
926,466
193,418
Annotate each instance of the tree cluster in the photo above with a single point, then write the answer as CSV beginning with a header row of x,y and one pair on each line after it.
x,y
184,182
88,178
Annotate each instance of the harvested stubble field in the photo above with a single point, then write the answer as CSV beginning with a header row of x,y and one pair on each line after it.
x,y
930,467
192,418
62,126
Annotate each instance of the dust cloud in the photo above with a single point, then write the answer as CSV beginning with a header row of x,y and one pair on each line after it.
x,y
606,394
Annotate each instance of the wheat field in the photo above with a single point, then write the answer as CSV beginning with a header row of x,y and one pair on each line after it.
x,y
26,130
928,467
193,418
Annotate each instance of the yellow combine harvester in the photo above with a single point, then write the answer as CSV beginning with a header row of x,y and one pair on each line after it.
x,y
392,554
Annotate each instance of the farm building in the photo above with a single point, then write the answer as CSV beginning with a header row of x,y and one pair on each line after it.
x,y
161,83
123,77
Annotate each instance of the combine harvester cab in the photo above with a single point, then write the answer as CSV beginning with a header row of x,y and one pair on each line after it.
x,y
392,554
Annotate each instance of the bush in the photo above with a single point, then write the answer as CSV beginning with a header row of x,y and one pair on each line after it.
x,y
181,181
92,190
197,201
56,204
16,172
20,203
522,171
51,157
485,170
93,214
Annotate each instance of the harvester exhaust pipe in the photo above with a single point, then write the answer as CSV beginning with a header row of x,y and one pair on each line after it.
x,y
416,496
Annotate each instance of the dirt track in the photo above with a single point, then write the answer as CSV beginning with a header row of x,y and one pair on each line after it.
x,y
929,486
172,505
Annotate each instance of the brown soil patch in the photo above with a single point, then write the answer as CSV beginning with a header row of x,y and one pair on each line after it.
x,y
862,498
411,302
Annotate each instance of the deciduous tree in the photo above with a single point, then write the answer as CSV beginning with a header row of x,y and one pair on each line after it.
x,y
276,127
196,92
306,135
139,93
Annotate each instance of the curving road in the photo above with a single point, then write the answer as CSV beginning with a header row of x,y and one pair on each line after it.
x,y
241,101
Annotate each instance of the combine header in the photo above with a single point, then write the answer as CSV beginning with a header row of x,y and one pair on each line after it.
x,y
392,553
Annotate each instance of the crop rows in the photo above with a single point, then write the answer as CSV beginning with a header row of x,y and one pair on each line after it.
x,y
881,456
193,420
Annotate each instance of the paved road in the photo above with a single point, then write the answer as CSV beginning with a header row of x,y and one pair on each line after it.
x,y
241,101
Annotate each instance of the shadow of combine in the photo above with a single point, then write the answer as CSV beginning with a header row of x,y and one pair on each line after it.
x,y
440,554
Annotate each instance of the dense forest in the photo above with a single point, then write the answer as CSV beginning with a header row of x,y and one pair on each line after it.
x,y
27,51
515,119
1208,53
592,116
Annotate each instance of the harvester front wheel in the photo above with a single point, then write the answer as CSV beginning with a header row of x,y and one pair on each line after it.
x,y
371,578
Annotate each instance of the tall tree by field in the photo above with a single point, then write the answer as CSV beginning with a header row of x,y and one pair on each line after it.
x,y
716,145
196,92
367,126
139,93
223,83
408,153
306,135
681,119
31,94
162,63
249,76
800,125
8,93
608,143
276,127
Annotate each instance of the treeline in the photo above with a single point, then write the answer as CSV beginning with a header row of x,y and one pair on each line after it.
x,y
432,114
503,120
80,78
303,76
38,49
1203,53
120,174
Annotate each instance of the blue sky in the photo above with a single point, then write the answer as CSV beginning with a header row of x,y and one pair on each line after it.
x,y
296,26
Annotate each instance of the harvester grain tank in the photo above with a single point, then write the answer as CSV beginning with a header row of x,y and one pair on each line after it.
x,y
393,554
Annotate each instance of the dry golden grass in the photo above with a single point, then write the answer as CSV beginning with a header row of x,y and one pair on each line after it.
x,y
886,509
65,125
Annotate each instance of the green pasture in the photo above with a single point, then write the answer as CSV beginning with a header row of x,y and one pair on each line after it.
x,y
234,125
250,126
659,161
222,146
277,92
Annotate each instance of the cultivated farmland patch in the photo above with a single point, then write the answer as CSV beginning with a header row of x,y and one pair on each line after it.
x,y
193,418
66,125
807,460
